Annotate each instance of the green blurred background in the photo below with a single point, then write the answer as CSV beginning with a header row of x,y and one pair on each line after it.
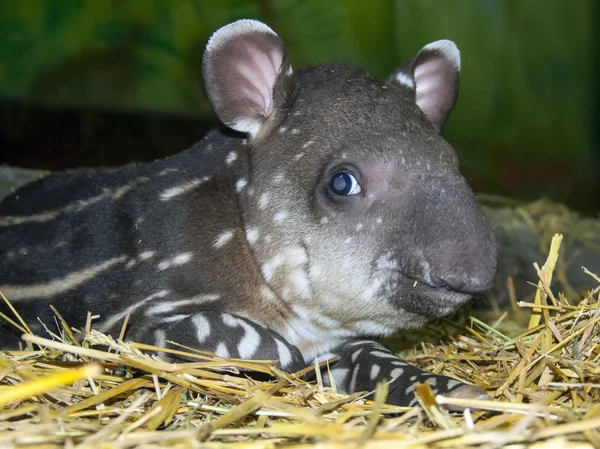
x,y
103,82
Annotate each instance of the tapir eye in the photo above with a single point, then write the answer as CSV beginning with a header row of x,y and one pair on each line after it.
x,y
343,183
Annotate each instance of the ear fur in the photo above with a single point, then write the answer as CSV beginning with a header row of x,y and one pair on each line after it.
x,y
433,74
247,75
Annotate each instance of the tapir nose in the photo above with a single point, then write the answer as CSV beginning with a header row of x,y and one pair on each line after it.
x,y
466,265
464,282
457,246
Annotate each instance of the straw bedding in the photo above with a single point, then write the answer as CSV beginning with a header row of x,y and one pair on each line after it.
x,y
539,362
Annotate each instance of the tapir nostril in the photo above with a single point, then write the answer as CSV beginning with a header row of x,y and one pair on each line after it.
x,y
464,283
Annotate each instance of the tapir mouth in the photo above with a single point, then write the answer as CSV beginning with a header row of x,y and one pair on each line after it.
x,y
434,302
427,300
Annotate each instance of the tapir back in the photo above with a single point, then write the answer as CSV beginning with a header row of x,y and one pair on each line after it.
x,y
111,241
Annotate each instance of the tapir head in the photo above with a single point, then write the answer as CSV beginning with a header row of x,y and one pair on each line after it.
x,y
354,206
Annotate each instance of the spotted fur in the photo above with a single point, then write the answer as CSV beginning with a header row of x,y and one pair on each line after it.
x,y
243,245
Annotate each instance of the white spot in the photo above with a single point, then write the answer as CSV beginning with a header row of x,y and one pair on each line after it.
x,y
245,125
159,338
280,216
352,387
268,270
159,309
355,355
307,144
282,130
295,131
240,184
285,357
405,80
426,271
222,351
146,255
229,320
295,255
375,371
298,156
250,342
132,263
223,238
263,201
291,256
359,226
179,259
347,239
267,293
252,235
173,318
383,355
202,326
361,342
172,192
379,220
324,220
231,157
396,372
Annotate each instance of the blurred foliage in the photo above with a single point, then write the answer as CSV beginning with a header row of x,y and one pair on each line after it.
x,y
526,73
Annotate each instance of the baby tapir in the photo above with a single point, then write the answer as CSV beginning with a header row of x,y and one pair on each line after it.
x,y
331,209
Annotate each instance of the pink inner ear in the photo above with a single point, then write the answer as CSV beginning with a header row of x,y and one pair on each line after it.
x,y
432,86
260,71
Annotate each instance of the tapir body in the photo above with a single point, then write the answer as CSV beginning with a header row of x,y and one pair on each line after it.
x,y
331,209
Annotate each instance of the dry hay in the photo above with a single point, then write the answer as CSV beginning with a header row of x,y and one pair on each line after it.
x,y
106,393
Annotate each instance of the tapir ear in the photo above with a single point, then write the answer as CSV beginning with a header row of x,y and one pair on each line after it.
x,y
433,75
247,75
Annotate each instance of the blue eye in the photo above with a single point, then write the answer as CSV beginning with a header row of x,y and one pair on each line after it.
x,y
344,183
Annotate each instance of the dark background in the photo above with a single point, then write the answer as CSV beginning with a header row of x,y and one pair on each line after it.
x,y
108,82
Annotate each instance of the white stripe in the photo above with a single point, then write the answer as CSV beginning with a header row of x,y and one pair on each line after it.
x,y
136,305
76,206
172,192
58,286
165,307
285,357
247,347
202,327
223,238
